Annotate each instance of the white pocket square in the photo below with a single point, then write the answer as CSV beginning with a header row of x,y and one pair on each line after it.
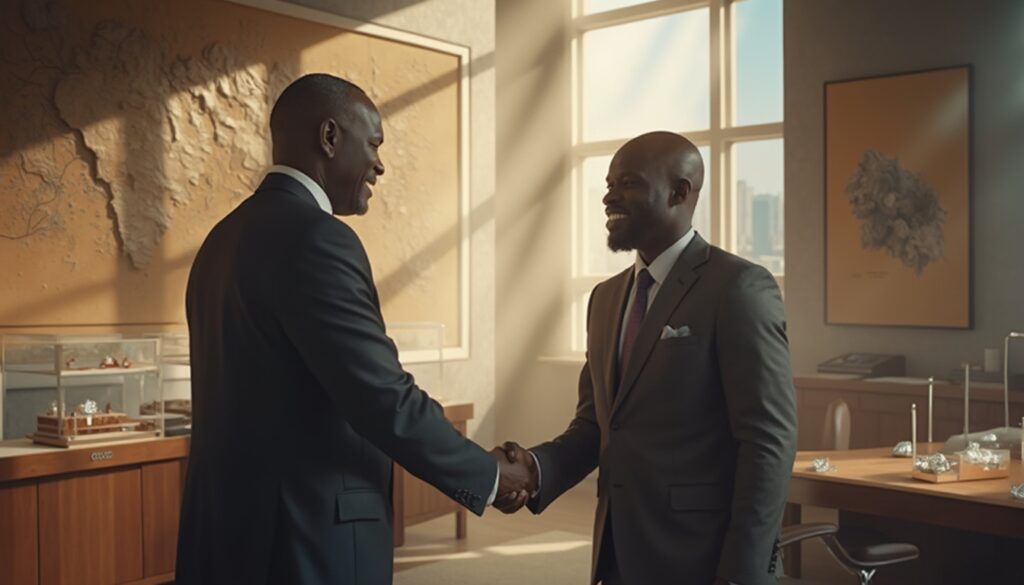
x,y
669,333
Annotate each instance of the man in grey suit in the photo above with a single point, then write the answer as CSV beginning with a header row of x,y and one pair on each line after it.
x,y
686,400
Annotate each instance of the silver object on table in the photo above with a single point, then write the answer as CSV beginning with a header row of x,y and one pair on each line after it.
x,y
1017,491
987,458
931,395
822,465
935,463
903,449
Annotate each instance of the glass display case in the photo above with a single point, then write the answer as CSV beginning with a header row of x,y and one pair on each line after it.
x,y
421,352
176,378
64,390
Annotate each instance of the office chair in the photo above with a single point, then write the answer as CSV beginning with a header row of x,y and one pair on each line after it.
x,y
835,436
862,562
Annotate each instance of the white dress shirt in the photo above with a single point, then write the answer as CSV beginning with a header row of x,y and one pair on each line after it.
x,y
658,269
318,192
321,199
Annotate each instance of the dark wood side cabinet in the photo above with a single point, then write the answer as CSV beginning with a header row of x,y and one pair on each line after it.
x,y
880,411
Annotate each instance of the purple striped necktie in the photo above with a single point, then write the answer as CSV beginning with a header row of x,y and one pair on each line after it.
x,y
635,319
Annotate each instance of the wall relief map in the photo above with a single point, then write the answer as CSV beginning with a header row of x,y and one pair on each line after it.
x,y
130,128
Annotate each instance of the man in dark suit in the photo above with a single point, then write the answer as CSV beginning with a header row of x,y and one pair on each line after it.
x,y
299,401
686,400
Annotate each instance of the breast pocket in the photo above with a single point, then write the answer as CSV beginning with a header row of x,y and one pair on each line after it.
x,y
685,341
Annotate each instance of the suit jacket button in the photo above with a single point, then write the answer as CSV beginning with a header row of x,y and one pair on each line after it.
x,y
615,426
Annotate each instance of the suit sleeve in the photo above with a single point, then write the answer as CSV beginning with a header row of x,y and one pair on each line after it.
x,y
567,459
331,315
758,384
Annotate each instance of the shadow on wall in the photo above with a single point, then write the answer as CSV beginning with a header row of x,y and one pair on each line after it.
x,y
41,69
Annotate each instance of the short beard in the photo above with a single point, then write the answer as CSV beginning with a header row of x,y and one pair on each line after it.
x,y
625,242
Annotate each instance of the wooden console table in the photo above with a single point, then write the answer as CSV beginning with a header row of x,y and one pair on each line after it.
x,y
91,514
416,501
108,513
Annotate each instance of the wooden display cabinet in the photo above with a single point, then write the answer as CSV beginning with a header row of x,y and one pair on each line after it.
x,y
90,515
108,514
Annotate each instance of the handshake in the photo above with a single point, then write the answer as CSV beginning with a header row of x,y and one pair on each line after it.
x,y
518,478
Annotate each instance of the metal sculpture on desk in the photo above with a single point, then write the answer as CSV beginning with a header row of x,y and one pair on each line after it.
x,y
972,462
1004,437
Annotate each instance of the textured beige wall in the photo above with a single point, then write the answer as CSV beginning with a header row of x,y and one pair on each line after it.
x,y
834,39
469,23
536,397
132,128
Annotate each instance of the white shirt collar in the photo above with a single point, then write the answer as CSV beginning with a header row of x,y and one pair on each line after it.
x,y
662,265
318,192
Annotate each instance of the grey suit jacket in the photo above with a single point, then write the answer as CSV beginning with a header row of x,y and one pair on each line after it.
x,y
696,443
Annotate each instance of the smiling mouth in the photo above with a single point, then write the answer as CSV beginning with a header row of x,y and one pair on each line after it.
x,y
614,218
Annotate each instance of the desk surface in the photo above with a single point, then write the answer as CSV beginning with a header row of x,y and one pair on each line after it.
x,y
877,468
871,481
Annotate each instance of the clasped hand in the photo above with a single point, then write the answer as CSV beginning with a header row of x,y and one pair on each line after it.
x,y
518,477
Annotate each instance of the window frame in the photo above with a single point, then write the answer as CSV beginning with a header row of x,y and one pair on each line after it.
x,y
719,137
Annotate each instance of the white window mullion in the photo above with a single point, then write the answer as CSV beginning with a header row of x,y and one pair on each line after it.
x,y
637,12
715,85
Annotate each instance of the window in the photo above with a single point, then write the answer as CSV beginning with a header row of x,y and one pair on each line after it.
x,y
710,70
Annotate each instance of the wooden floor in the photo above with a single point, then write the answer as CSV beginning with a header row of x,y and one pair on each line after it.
x,y
574,512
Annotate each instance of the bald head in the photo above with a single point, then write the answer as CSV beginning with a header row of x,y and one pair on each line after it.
x,y
329,129
305,103
671,154
654,182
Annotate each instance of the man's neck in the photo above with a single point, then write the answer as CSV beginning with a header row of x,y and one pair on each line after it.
x,y
650,253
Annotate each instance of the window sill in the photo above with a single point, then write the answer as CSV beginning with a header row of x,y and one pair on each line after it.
x,y
567,359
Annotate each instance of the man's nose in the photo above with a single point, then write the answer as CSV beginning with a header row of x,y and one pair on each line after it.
x,y
609,196
379,168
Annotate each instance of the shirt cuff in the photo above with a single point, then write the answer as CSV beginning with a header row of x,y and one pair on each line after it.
x,y
540,476
494,491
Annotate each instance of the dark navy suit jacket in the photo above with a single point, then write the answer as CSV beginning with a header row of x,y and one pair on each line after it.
x,y
300,405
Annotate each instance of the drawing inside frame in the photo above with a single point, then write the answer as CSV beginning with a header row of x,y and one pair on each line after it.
x,y
897,200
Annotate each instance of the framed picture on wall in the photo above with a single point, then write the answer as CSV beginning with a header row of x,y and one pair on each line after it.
x,y
897,200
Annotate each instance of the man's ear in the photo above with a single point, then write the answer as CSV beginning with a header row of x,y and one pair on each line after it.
x,y
330,137
681,191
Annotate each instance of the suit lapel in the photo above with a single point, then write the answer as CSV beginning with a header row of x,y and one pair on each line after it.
x,y
618,296
678,283
606,342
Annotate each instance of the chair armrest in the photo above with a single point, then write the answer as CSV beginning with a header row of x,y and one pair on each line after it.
x,y
881,555
797,532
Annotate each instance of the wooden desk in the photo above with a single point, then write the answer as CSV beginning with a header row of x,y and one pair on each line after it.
x,y
416,501
871,481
